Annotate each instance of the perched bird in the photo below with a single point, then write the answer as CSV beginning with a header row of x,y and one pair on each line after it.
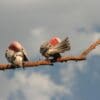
x,y
16,54
54,47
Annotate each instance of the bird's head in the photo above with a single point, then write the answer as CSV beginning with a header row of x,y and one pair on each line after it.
x,y
15,45
54,41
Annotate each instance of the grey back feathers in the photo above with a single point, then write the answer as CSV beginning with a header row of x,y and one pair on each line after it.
x,y
44,47
25,55
9,54
61,47
64,45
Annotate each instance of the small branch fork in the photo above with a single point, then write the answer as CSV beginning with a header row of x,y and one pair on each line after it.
x,y
80,57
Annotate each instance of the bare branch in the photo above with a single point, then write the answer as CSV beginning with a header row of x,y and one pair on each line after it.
x,y
81,57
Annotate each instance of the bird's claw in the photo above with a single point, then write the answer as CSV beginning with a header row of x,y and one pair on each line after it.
x,y
51,64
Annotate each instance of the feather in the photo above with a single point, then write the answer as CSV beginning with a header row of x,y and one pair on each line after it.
x,y
25,55
60,48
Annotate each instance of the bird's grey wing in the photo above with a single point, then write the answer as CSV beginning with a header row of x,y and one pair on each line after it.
x,y
9,54
61,47
25,55
44,47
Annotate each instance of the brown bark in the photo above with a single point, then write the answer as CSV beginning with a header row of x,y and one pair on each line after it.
x,y
81,57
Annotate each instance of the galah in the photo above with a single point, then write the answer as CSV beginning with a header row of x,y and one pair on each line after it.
x,y
16,54
54,47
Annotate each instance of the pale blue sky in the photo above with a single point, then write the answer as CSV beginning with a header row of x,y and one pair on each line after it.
x,y
32,22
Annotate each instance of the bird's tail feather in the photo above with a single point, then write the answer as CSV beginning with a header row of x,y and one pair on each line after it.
x,y
63,46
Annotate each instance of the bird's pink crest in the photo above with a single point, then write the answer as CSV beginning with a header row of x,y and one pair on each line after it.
x,y
54,41
15,45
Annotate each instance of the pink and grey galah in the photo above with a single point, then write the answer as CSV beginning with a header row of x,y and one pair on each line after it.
x,y
16,54
54,47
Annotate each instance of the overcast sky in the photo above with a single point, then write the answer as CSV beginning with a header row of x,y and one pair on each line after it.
x,y
32,22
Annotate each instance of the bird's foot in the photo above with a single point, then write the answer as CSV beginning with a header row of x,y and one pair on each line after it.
x,y
13,66
51,64
53,60
23,65
50,60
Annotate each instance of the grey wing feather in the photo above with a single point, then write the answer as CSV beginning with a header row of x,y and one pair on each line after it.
x,y
44,47
25,55
9,54
61,47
